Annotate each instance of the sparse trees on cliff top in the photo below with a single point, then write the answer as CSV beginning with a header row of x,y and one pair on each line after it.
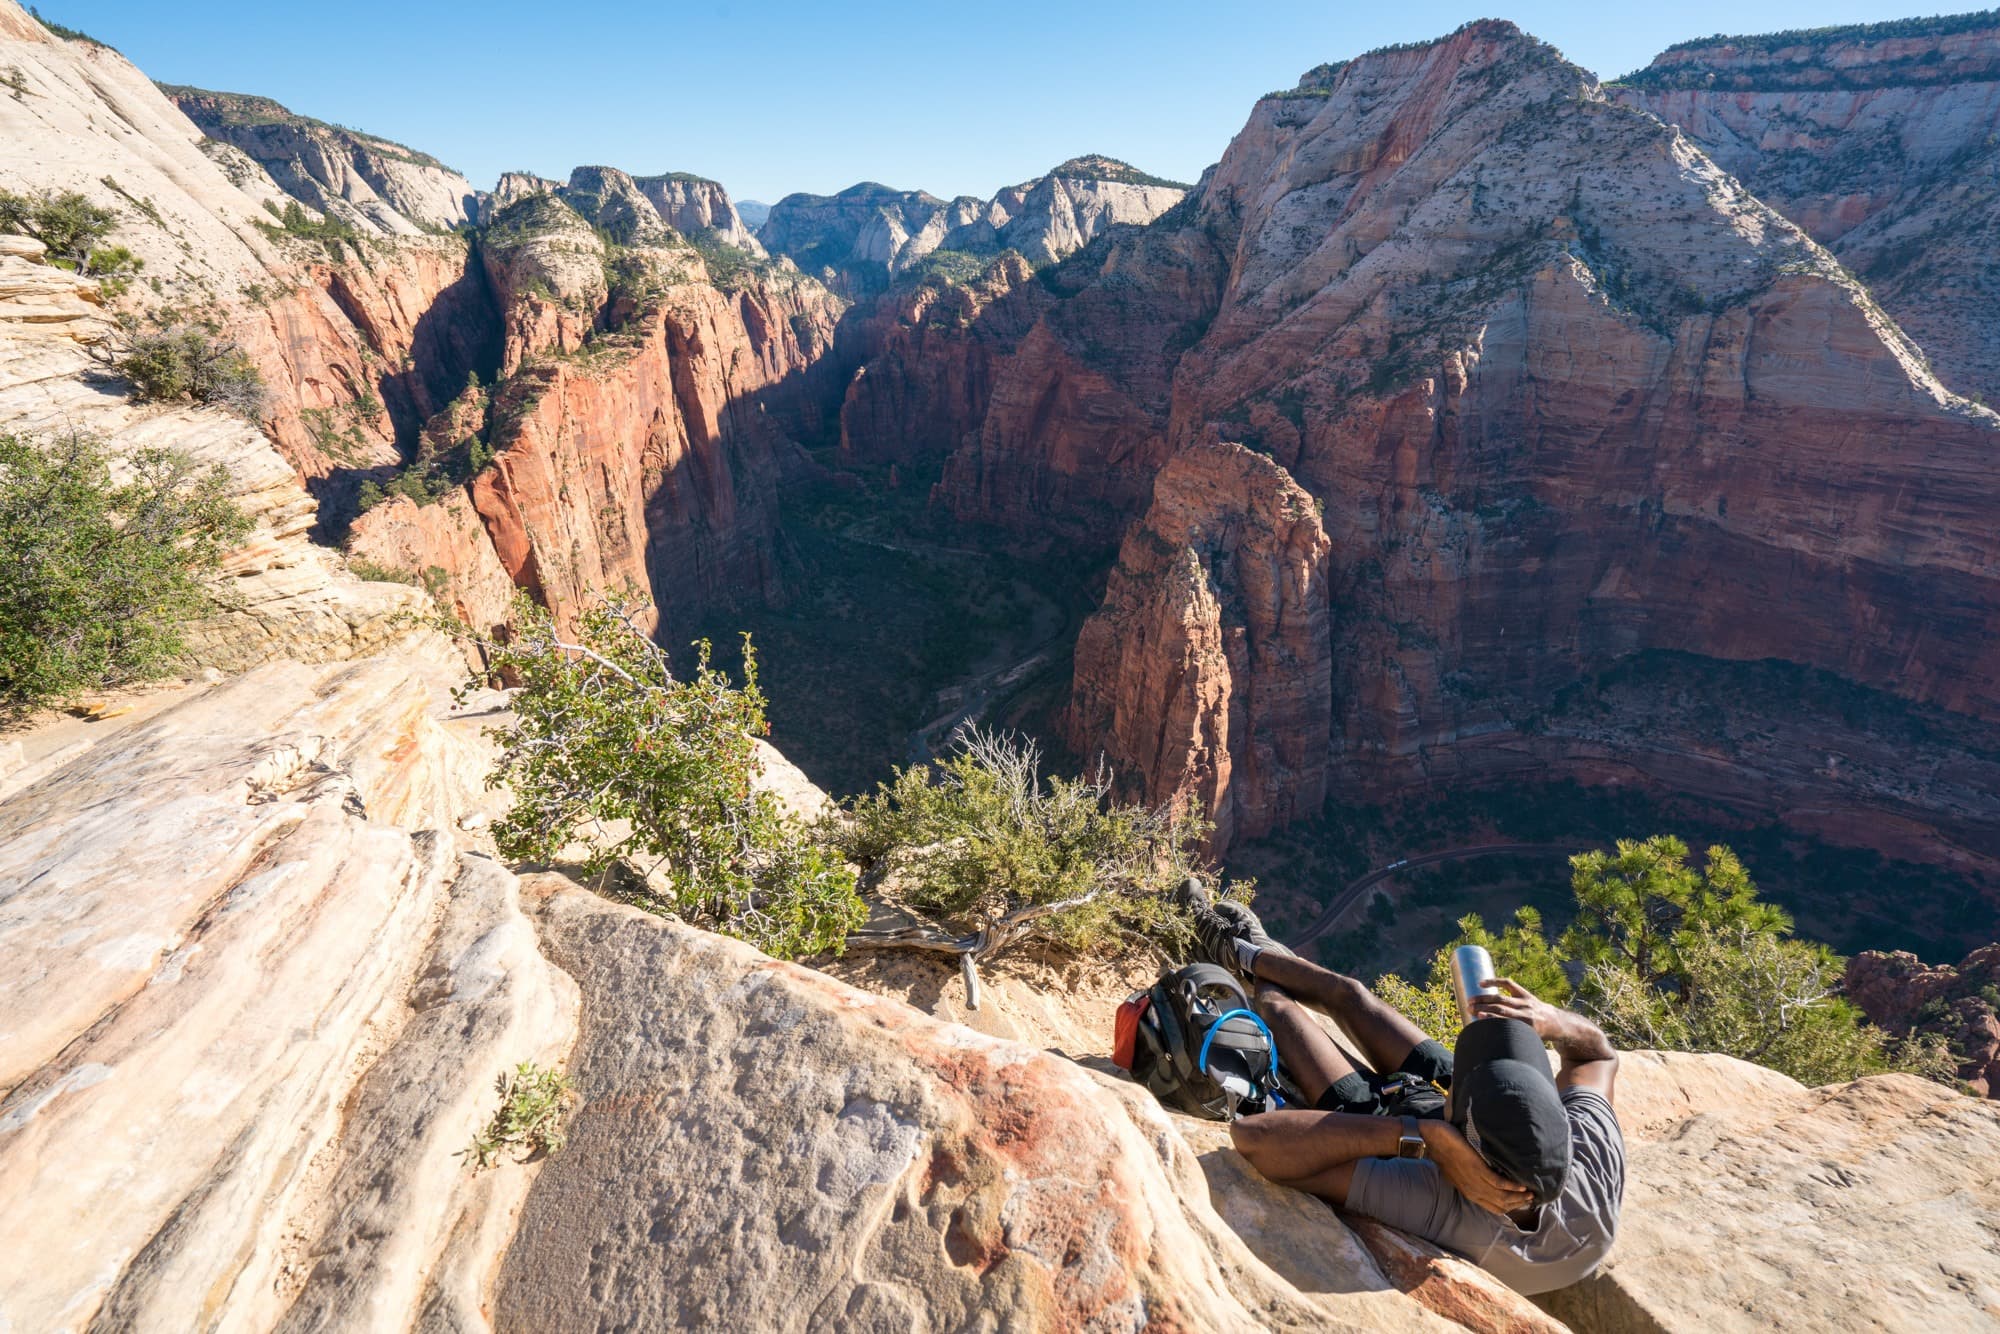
x,y
1672,957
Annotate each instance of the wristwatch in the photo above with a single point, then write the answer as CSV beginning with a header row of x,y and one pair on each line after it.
x,y
1411,1143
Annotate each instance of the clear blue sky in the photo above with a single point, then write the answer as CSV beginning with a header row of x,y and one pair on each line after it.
x,y
951,97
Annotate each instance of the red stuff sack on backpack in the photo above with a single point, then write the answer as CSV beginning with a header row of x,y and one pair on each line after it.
x,y
1125,1036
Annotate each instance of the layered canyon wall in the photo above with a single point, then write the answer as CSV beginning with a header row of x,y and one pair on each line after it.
x,y
1575,402
1879,141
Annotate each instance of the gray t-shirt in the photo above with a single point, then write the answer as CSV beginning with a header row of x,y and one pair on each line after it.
x,y
1574,1232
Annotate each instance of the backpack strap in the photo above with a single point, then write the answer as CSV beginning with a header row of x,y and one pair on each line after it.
x,y
1201,1062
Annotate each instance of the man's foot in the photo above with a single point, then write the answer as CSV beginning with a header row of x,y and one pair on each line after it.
x,y
1214,934
1226,933
1249,926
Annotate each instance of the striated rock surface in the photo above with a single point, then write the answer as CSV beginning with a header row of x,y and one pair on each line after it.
x,y
174,1138
694,206
364,181
1961,1004
1207,673
868,233
254,1011
754,1143
1878,140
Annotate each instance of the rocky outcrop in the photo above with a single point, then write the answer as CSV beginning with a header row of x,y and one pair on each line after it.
x,y
1207,674
647,459
753,1143
1075,425
697,206
1878,140
925,387
1765,1205
1570,397
1962,1005
545,265
613,203
280,595
1059,214
868,233
366,182
261,1015
199,881
514,186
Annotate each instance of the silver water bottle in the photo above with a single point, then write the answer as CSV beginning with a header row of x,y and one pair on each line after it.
x,y
1471,965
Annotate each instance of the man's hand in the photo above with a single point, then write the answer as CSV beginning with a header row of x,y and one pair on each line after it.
x,y
1588,1058
1519,1003
1468,1173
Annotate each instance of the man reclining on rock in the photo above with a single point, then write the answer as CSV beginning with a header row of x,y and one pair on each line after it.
x,y
1515,1170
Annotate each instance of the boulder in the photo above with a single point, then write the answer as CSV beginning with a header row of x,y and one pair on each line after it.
x,y
1766,1205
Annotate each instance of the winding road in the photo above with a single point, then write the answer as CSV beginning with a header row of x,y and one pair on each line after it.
x,y
1344,901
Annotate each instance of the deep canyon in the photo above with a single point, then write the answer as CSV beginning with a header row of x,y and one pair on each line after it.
x,y
1471,423
1479,451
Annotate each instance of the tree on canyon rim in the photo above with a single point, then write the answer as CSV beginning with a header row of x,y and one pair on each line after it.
x,y
618,765
645,781
1672,957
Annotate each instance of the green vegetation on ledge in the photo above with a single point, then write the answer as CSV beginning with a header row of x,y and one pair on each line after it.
x,y
619,766
101,575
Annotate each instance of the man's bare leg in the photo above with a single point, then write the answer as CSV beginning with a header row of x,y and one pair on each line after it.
x,y
1309,1056
1385,1037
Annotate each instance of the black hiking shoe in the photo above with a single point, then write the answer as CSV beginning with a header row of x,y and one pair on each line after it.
x,y
1214,934
1248,926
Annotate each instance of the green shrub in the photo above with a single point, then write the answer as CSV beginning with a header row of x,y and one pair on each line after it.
x,y
529,1120
615,757
1678,958
68,223
190,362
982,836
101,574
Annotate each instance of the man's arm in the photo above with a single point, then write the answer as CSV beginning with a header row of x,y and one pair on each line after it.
x,y
1589,1061
1315,1151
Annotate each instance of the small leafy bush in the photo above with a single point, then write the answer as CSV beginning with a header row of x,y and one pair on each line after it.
x,y
68,223
983,836
613,754
101,574
529,1120
191,362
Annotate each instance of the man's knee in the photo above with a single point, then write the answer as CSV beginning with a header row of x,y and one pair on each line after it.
x,y
1250,1135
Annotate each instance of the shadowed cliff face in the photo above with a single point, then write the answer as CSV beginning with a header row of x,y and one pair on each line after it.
x,y
1568,393
1880,143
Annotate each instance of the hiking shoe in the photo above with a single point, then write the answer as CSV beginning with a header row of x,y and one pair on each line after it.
x,y
1214,934
1248,926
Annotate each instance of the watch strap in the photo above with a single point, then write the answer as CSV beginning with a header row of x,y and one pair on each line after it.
x,y
1411,1143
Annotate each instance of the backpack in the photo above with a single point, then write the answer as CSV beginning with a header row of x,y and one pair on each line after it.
x,y
1194,1042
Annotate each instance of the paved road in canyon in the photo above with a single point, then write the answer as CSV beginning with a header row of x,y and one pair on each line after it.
x,y
1348,897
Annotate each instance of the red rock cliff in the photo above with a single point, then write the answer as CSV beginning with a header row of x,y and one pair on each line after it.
x,y
1207,674
1572,398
